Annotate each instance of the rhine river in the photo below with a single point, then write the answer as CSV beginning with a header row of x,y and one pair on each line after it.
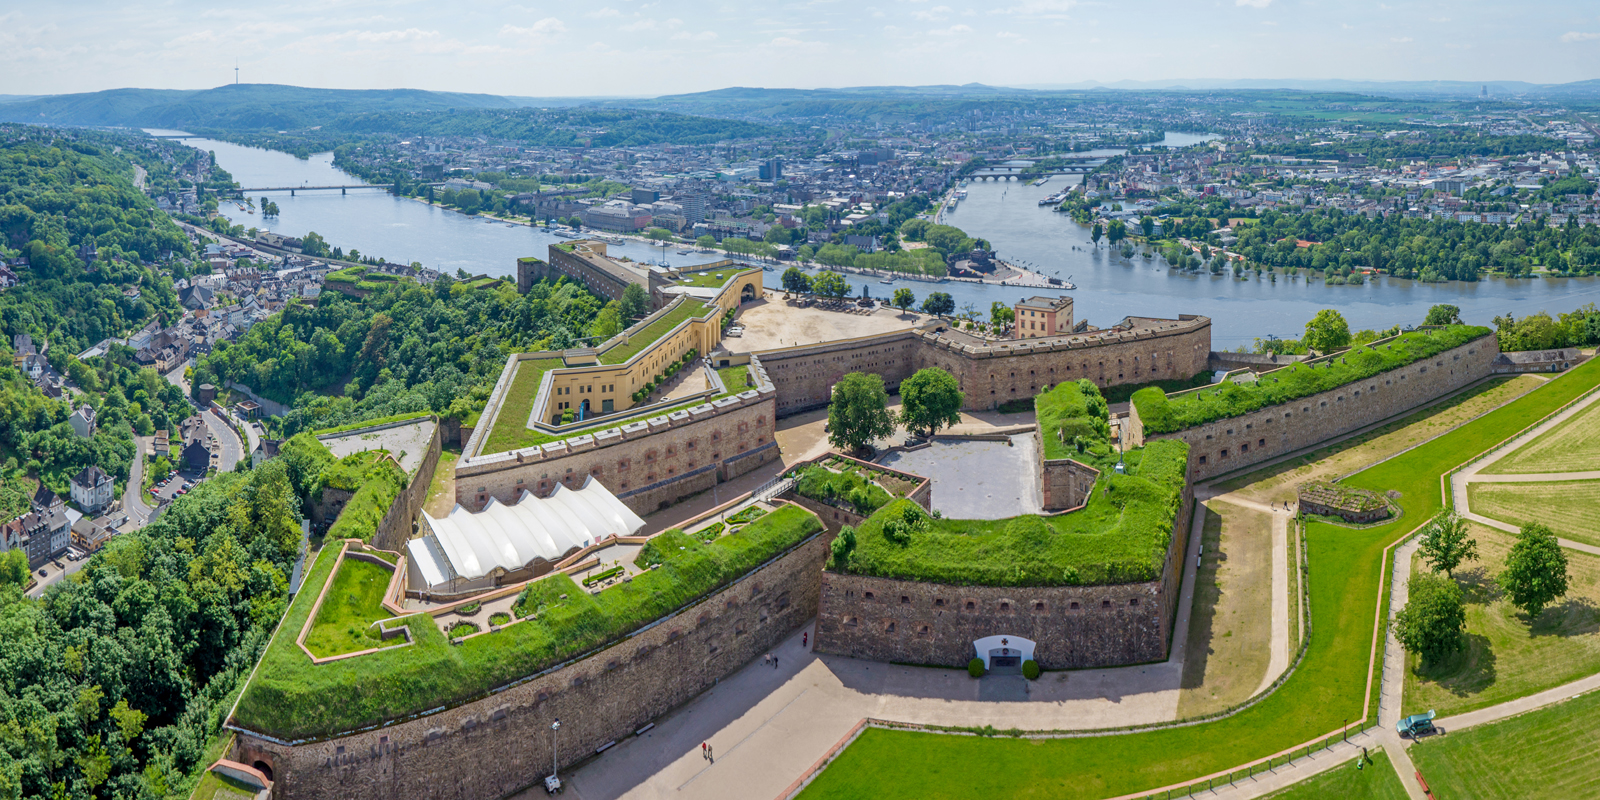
x,y
1004,212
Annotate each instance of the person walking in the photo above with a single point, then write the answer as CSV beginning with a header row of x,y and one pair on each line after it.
x,y
705,751
804,638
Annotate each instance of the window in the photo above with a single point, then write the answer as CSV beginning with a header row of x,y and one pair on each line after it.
x,y
1134,602
939,602
1202,459
1038,605
1261,443
905,600
971,606
889,628
867,595
1005,606
1105,603
1074,606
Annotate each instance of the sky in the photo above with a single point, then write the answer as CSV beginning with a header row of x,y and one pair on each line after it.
x,y
618,47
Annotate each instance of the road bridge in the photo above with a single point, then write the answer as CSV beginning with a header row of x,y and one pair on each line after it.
x,y
292,189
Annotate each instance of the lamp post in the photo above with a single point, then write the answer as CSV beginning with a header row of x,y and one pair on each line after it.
x,y
554,783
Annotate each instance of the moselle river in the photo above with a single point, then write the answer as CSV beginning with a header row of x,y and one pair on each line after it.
x,y
1006,213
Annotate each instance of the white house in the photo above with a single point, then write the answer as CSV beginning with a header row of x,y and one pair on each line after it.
x,y
93,490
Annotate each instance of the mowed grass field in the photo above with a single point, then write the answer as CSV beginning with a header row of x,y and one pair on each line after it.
x,y
1570,508
1572,446
1280,482
1545,753
354,602
1328,688
1507,657
1230,629
1374,781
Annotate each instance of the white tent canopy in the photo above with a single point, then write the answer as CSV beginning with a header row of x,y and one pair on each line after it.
x,y
468,545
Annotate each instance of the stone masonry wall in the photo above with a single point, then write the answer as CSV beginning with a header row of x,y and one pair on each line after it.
x,y
885,619
804,376
1231,444
1024,368
1066,483
394,530
644,464
493,747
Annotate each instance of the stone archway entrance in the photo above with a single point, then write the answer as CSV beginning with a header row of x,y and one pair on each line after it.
x,y
1004,653
748,293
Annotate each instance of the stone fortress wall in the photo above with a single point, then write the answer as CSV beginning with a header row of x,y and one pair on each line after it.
x,y
1073,627
499,744
1230,444
991,373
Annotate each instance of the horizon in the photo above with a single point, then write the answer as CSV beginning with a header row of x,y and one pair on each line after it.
x,y
630,50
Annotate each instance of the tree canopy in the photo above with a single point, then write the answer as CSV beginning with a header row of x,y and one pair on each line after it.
x,y
859,412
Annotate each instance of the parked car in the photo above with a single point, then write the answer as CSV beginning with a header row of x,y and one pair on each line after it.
x,y
44,573
1416,725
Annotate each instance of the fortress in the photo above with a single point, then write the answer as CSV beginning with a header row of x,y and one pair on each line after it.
x,y
610,633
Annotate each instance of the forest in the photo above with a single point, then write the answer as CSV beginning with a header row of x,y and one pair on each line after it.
x,y
114,685
409,348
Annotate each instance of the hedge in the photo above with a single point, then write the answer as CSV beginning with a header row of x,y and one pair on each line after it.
x,y
1163,414
1073,410
291,698
824,485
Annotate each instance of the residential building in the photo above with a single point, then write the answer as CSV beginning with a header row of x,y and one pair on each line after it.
x,y
1043,316
93,490
82,421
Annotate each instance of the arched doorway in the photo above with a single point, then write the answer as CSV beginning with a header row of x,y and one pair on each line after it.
x,y
264,768
1003,653
583,410
748,293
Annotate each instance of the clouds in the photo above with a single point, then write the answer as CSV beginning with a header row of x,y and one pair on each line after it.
x,y
549,26
1253,3
1579,36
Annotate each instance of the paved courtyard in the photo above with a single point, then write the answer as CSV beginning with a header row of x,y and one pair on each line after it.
x,y
407,443
771,323
978,480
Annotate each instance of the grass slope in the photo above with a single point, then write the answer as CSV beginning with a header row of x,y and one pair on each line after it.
x,y
1506,657
1572,446
1376,781
1230,636
511,427
291,698
355,601
1570,508
689,308
1326,690
1544,753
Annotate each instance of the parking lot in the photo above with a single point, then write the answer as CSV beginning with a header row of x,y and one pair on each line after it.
x,y
179,483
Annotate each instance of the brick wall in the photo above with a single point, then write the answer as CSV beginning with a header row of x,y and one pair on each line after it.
x,y
1066,483
1248,439
804,376
499,744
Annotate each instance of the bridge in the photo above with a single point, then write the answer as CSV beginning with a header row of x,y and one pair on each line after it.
x,y
1001,172
292,189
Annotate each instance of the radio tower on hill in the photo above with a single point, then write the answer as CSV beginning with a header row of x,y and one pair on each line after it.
x,y
236,72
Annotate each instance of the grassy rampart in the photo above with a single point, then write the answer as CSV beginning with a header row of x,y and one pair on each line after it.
x,y
291,698
1163,414
1326,691
649,334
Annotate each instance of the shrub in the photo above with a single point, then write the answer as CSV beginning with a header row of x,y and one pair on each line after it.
x,y
470,609
1162,414
842,489
499,618
1030,670
461,629
750,514
975,667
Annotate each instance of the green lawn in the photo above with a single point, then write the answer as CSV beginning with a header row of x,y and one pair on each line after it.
x,y
1545,753
1505,657
355,601
1326,690
711,278
1374,781
733,378
1572,446
511,427
688,308
289,697
1230,638
1570,508
216,787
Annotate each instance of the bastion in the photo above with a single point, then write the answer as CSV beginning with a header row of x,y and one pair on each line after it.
x,y
1092,586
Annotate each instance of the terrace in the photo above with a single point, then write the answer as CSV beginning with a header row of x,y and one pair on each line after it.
x,y
462,650
640,340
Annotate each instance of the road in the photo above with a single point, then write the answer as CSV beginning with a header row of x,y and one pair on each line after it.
x,y
67,568
133,496
229,448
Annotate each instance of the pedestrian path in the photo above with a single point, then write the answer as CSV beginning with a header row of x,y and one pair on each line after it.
x,y
1473,474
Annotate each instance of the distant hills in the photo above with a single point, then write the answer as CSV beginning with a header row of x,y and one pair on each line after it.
x,y
249,106
263,108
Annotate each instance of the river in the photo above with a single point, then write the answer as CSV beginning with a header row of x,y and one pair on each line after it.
x,y
1004,212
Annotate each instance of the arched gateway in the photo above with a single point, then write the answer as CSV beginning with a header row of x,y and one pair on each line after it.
x,y
1004,651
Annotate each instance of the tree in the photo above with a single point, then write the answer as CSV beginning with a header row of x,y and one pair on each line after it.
x,y
1148,225
939,303
1536,570
1116,231
859,412
608,322
1000,313
904,298
830,284
635,302
658,234
1443,314
1434,618
1445,544
1327,331
929,400
706,241
1096,233
794,280
14,568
